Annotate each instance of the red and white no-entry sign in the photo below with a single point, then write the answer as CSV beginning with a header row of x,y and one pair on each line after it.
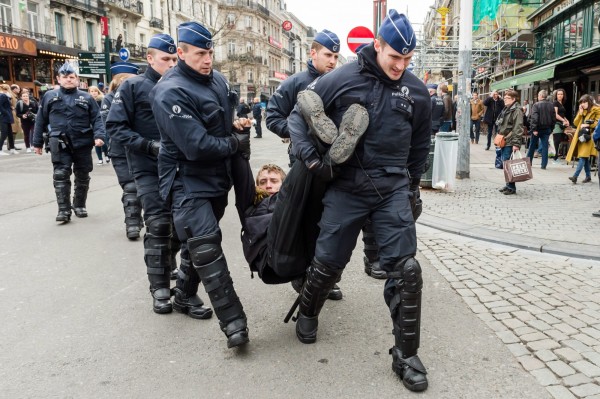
x,y
359,35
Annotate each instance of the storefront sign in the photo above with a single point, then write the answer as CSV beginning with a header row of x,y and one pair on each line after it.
x,y
551,12
280,75
274,42
16,44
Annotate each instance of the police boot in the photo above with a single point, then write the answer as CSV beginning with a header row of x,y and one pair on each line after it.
x,y
133,211
403,296
80,196
186,299
311,108
175,248
62,188
211,266
335,294
320,279
157,241
371,258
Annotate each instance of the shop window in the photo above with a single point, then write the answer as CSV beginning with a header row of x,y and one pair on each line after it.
x,y
4,69
22,68
43,70
567,36
578,32
596,37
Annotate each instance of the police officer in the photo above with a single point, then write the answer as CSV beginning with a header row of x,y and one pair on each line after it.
x,y
257,115
380,182
131,123
437,108
194,109
131,204
75,127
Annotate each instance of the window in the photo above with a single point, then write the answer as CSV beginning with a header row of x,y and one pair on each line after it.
x,y
22,68
75,32
151,9
32,17
125,32
230,20
179,8
231,47
42,70
210,15
91,32
248,22
249,47
4,69
59,21
250,76
143,39
6,15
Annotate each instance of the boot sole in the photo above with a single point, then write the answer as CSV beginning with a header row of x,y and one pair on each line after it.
x,y
306,340
186,310
311,108
165,310
354,124
63,220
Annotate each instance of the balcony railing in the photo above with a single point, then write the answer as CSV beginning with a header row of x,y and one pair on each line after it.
x,y
135,50
157,23
246,57
79,5
62,42
132,6
34,35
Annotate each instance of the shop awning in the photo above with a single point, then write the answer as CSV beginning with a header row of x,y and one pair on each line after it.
x,y
533,75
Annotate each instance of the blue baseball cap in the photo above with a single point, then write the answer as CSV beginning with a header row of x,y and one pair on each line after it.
x,y
124,67
163,42
67,69
397,31
432,86
195,34
329,40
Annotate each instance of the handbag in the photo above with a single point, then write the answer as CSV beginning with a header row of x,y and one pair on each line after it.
x,y
500,141
517,169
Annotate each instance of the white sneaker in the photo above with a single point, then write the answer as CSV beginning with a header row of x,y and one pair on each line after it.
x,y
28,149
100,162
14,151
4,153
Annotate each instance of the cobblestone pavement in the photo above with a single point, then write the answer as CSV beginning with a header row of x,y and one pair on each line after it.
x,y
545,308
548,207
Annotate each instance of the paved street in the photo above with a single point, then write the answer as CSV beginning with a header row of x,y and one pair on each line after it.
x,y
498,321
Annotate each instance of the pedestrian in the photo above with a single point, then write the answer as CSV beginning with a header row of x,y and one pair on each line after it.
x,y
562,122
16,95
541,122
582,145
380,182
194,108
324,53
132,207
476,115
131,124
526,108
27,109
243,109
6,121
446,125
596,140
76,126
493,107
510,125
257,115
437,108
99,96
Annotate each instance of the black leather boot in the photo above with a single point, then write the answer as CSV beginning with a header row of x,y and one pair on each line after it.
x,y
62,188
158,263
211,266
186,299
371,258
320,279
133,211
82,185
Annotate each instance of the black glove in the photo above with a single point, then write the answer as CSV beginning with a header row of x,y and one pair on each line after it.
x,y
416,204
323,170
152,147
241,143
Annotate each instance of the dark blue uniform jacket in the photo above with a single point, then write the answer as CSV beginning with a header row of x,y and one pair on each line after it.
x,y
70,111
282,102
398,136
114,148
437,111
194,113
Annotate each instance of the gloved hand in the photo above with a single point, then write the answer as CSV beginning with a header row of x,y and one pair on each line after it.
x,y
416,204
152,147
241,143
323,169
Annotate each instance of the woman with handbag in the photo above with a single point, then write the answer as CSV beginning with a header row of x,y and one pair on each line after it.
x,y
26,111
558,135
582,146
510,128
6,120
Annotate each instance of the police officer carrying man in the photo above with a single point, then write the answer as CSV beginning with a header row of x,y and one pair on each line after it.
x,y
76,127
131,204
131,124
381,181
194,109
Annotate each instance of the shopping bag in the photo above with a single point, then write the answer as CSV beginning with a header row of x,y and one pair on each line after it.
x,y
498,162
551,149
517,169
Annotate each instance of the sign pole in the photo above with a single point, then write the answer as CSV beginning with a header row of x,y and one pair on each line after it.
x,y
463,112
107,59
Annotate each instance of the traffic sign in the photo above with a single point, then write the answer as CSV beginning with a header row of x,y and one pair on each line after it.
x,y
124,54
359,36
92,63
522,53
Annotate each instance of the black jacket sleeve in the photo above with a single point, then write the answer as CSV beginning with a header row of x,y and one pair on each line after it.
x,y
280,107
121,119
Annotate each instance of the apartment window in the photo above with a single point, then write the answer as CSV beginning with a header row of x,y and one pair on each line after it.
x,y
91,33
230,20
249,47
250,76
5,14
151,8
179,7
32,17
125,32
143,39
231,47
210,15
59,21
75,31
248,22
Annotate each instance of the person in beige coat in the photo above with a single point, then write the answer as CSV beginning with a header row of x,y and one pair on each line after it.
x,y
476,115
582,145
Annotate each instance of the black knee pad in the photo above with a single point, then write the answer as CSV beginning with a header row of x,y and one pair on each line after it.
x,y
406,276
61,174
129,188
206,249
159,226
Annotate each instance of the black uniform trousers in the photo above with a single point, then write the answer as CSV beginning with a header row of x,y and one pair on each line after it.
x,y
78,162
258,127
121,167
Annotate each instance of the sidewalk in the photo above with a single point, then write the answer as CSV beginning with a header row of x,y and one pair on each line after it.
x,y
549,213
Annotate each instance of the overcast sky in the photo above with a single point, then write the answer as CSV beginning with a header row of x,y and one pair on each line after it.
x,y
340,16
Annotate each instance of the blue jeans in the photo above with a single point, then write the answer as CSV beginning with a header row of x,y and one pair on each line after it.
x,y
506,153
491,128
581,164
446,126
477,124
543,136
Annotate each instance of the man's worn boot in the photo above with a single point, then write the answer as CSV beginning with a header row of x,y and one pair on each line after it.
x,y
62,188
186,299
320,279
311,107
403,296
371,258
82,184
354,124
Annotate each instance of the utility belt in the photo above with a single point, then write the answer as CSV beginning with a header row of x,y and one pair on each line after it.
x,y
58,142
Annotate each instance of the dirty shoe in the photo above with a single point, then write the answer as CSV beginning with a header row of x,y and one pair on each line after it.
x,y
354,123
311,107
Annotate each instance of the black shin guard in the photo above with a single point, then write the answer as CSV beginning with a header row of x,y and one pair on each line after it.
x,y
82,185
405,310
133,211
62,188
320,279
211,266
157,241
